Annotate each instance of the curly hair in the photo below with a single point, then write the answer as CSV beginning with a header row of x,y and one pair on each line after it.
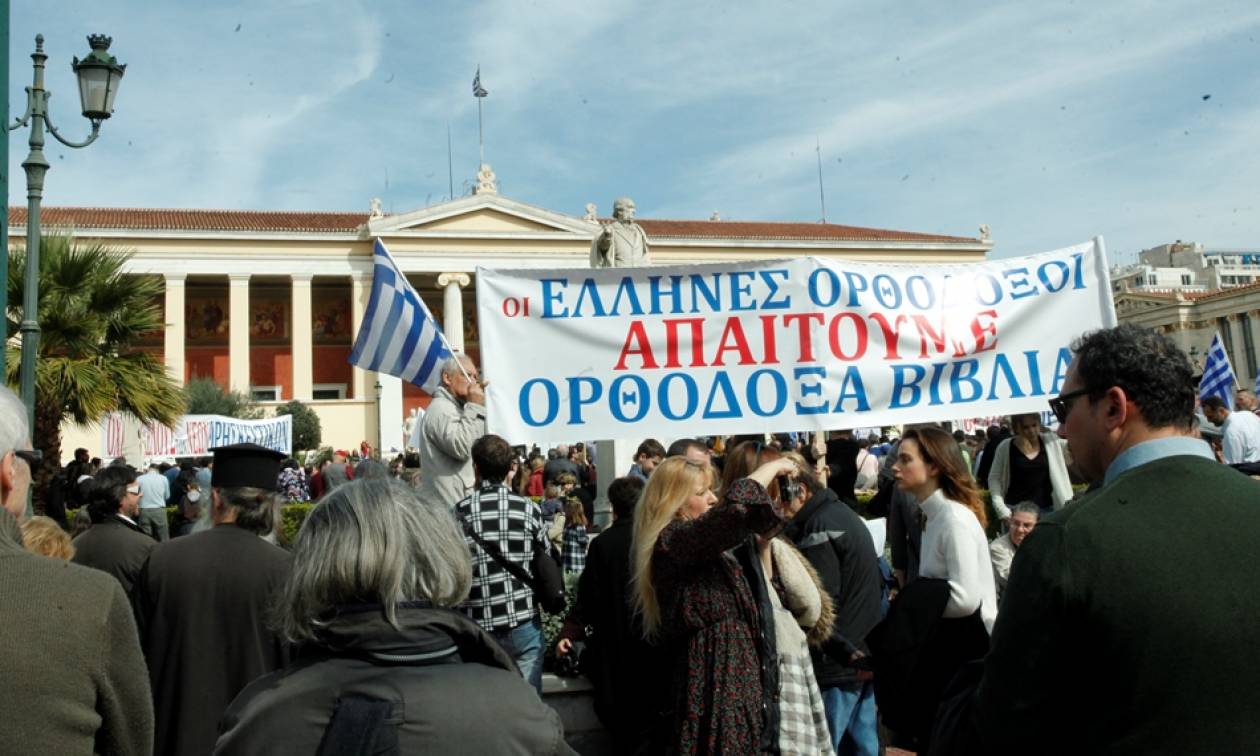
x,y
1151,369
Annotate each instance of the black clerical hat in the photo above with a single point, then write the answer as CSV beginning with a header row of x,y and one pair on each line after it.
x,y
245,465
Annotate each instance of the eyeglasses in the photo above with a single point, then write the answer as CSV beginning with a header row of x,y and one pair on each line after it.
x,y
33,457
1062,404
134,491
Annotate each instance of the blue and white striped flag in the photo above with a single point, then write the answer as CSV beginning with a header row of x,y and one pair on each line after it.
x,y
399,335
1218,376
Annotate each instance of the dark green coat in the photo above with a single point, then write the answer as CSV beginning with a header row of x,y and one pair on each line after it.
x,y
1130,622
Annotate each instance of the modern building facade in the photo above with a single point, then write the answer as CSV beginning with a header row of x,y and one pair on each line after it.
x,y
269,302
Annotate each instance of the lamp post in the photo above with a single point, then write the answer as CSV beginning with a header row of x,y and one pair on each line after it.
x,y
379,435
98,74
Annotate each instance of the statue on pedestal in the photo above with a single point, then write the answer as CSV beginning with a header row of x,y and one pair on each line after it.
x,y
622,243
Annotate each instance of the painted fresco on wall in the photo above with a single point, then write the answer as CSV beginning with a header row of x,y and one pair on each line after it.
x,y
156,337
207,319
269,317
330,313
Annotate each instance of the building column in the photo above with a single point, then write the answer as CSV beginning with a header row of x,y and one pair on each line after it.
x,y
174,332
453,307
360,294
390,415
238,333
303,353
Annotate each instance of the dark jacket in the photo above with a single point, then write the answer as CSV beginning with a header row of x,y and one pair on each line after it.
x,y
448,686
631,676
842,463
916,652
838,545
1128,624
114,546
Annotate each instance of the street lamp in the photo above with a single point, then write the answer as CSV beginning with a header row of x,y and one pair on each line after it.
x,y
99,74
379,435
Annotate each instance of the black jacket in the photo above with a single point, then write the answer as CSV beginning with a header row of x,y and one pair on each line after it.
x,y
838,544
114,546
446,685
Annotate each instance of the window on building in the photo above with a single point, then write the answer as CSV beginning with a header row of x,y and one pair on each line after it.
x,y
265,393
1227,339
1151,280
328,391
1249,343
1186,279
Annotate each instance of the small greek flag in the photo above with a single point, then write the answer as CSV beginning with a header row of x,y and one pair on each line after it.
x,y
1218,376
399,336
478,90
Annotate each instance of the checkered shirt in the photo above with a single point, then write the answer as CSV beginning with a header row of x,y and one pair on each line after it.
x,y
574,553
497,600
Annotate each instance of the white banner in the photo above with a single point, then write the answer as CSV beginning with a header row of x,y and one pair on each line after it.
x,y
805,344
195,435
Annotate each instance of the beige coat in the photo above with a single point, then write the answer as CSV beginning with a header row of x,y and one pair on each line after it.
x,y
447,434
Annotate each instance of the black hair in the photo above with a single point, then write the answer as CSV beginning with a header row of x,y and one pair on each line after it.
x,y
109,486
650,448
623,494
1154,373
492,457
1213,403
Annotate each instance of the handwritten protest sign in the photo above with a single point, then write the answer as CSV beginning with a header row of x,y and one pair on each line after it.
x,y
805,344
196,435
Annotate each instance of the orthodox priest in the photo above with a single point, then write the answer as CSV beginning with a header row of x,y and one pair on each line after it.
x,y
201,603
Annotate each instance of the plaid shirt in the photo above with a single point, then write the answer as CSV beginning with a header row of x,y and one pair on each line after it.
x,y
574,554
497,600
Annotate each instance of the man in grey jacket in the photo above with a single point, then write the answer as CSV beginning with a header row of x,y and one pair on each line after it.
x,y
453,421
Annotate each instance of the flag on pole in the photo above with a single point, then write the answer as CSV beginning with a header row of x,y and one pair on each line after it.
x,y
478,90
399,336
1218,376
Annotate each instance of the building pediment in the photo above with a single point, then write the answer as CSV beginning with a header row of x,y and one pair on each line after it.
x,y
481,215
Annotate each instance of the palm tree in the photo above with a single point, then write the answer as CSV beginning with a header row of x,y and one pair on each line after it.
x,y
92,315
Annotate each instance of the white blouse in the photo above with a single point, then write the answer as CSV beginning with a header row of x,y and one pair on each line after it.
x,y
955,549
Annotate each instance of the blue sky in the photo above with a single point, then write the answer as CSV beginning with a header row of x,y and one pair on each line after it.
x,y
1051,122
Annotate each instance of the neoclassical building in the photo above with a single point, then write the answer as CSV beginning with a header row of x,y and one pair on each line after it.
x,y
269,302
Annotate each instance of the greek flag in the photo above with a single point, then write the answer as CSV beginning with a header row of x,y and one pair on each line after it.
x,y
399,335
478,90
1218,377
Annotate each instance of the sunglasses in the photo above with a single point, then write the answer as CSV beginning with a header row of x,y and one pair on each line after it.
x,y
1062,404
33,457
133,490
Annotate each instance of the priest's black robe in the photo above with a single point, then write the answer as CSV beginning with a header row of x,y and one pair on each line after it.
x,y
202,604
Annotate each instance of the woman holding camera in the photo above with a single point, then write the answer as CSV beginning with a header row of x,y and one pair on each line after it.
x,y
701,592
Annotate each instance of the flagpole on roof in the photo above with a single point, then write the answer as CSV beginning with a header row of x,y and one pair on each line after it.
x,y
822,199
480,93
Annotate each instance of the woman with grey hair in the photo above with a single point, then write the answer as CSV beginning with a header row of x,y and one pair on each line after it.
x,y
387,666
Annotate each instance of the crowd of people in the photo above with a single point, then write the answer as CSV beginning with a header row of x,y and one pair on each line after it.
x,y
1099,599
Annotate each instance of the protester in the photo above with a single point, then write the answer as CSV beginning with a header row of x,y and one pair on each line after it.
x,y
1240,431
1246,400
1029,467
535,487
996,434
573,555
905,524
646,458
838,544
1111,591
1024,517
291,483
337,472
154,491
867,464
842,454
708,605
964,448
693,449
375,572
45,536
370,469
500,603
202,602
455,419
115,544
631,677
73,675
560,464
191,507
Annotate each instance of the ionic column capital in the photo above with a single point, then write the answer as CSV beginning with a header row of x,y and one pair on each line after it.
x,y
459,279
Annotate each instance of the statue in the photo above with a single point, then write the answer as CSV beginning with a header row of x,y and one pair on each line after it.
x,y
374,208
984,232
590,212
622,243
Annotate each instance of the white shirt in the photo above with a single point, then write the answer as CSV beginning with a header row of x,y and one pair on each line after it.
x,y
955,549
1240,438
155,489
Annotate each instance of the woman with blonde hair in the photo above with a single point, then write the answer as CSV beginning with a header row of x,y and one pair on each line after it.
x,y
42,535
702,597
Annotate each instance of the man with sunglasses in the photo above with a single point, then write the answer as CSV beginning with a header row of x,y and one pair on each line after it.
x,y
69,654
1128,622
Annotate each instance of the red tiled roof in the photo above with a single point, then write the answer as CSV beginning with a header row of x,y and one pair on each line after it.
x,y
159,219
722,229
